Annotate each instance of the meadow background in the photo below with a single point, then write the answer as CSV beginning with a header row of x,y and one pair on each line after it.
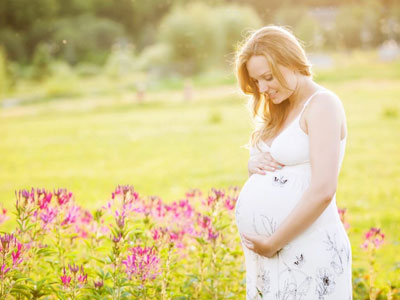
x,y
103,93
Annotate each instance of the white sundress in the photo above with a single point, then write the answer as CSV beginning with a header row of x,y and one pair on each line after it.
x,y
316,265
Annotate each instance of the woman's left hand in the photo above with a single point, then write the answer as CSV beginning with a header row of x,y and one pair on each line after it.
x,y
259,244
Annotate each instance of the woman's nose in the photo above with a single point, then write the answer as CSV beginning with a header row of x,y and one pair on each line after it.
x,y
262,86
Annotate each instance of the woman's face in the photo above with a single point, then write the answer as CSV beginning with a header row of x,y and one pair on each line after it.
x,y
259,71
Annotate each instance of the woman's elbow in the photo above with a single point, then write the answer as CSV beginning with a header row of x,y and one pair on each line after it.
x,y
325,191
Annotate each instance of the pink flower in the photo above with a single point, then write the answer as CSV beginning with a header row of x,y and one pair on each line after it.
x,y
175,235
65,279
83,224
120,221
63,196
373,238
203,221
48,215
3,271
73,268
193,193
3,214
117,238
160,233
342,213
82,277
16,256
87,217
72,215
218,193
45,201
10,244
180,212
6,241
126,191
98,284
156,234
22,201
143,263
230,202
210,201
212,234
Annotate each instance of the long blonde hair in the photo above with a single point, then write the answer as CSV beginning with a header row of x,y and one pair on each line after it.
x,y
280,47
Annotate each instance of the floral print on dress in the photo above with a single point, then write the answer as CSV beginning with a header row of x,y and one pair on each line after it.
x,y
295,284
269,224
251,293
263,281
340,253
325,282
297,281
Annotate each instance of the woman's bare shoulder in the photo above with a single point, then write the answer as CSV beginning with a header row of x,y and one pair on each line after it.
x,y
325,102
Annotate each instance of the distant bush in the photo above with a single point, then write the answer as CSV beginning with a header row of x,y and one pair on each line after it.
x,y
156,57
85,38
121,60
62,82
13,42
215,117
200,35
60,87
87,70
302,23
194,36
390,113
287,16
41,61
360,25
235,20
309,31
4,82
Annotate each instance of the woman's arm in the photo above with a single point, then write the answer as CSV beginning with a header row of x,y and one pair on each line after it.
x,y
324,121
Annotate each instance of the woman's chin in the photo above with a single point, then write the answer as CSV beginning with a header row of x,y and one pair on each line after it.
x,y
276,100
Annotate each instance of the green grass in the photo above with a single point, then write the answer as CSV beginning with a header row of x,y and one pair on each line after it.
x,y
164,147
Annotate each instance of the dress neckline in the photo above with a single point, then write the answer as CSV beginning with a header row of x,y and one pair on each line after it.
x,y
292,122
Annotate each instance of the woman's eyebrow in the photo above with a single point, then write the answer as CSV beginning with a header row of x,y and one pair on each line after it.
x,y
266,73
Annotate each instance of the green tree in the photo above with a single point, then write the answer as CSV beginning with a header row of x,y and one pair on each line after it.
x,y
235,20
14,43
194,35
360,25
4,82
85,37
22,14
201,35
41,61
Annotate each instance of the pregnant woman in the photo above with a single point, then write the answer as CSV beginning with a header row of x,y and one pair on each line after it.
x,y
294,243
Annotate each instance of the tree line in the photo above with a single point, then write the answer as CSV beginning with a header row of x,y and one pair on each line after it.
x,y
76,31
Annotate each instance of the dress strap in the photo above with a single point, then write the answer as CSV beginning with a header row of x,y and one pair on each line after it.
x,y
309,99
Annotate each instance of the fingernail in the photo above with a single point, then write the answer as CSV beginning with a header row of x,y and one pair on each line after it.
x,y
280,167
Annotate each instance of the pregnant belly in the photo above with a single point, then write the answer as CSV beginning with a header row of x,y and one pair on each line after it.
x,y
266,200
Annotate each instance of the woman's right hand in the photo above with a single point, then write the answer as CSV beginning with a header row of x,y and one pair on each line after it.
x,y
262,162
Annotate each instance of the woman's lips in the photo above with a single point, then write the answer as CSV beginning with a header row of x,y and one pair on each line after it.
x,y
273,95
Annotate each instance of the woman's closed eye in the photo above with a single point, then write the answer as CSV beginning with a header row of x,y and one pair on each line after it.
x,y
267,79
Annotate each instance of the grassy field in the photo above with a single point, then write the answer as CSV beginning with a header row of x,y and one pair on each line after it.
x,y
164,146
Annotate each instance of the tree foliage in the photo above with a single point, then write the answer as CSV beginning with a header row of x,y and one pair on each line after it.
x,y
200,35
90,27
